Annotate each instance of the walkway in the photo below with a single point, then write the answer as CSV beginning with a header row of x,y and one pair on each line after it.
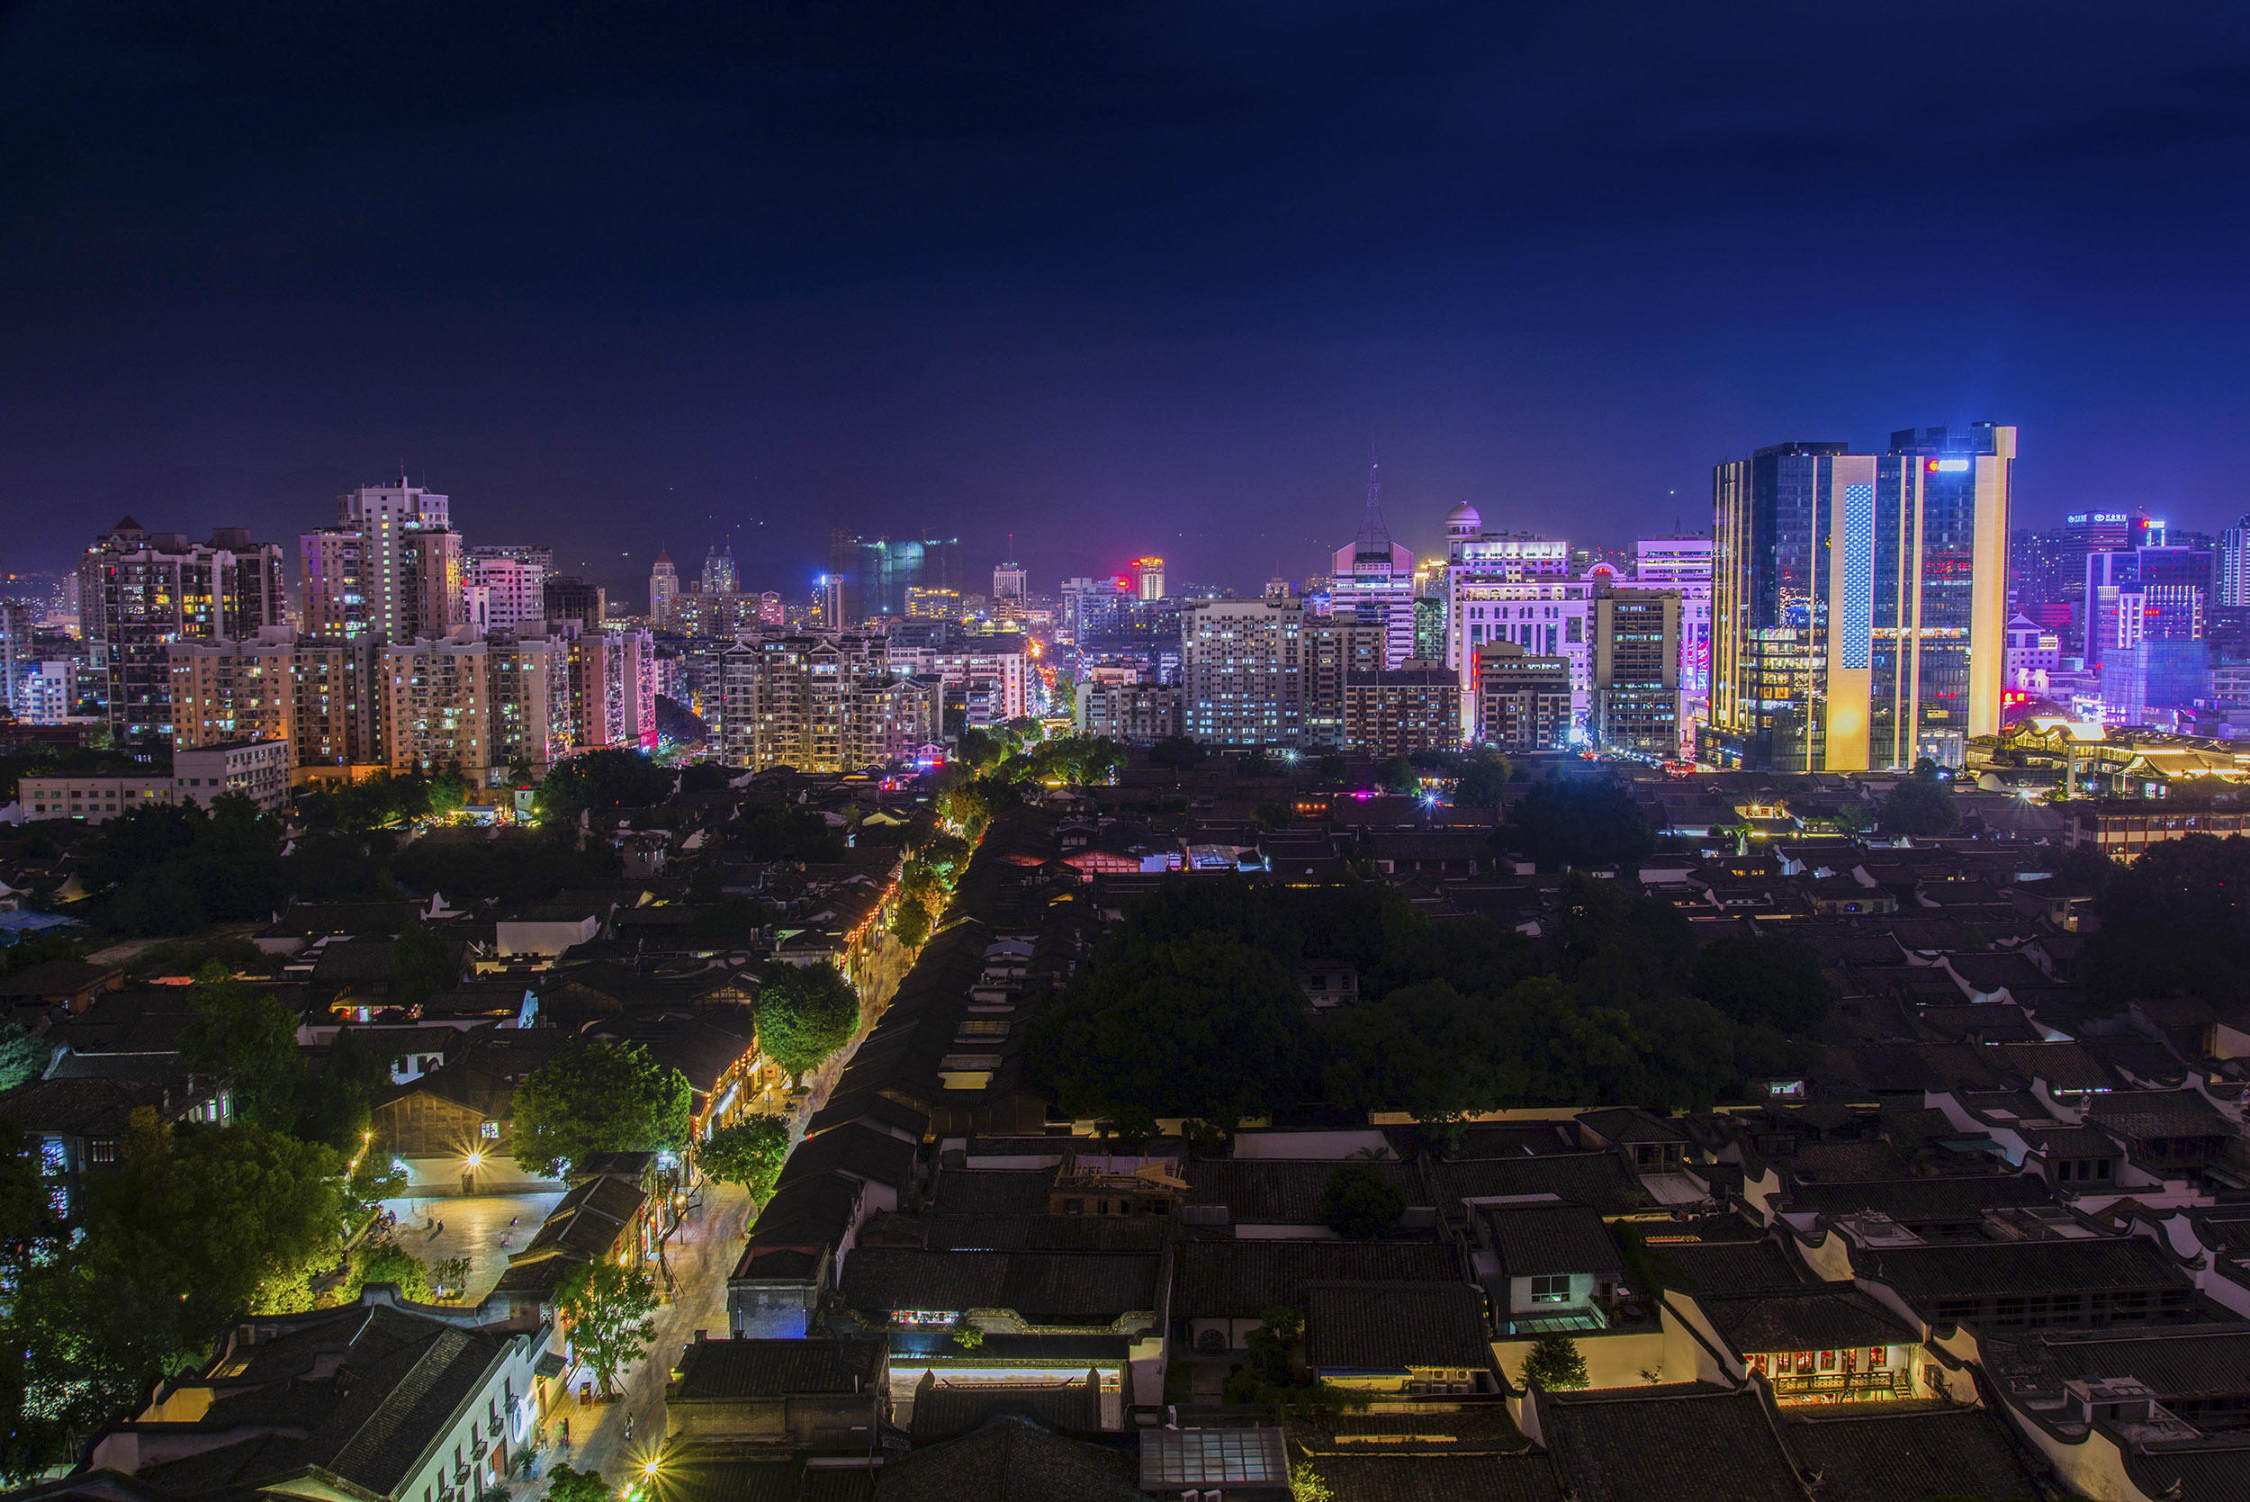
x,y
476,1227
702,1253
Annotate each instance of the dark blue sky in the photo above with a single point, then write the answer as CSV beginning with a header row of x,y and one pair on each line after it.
x,y
1117,278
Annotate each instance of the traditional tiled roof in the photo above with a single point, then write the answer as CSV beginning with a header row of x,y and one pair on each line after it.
x,y
1684,1444
1726,1267
2185,1363
1391,1327
1236,1279
1596,1179
1281,1191
992,1191
1884,1457
942,1411
724,1369
1439,1478
1810,1319
2022,1267
1010,1460
1057,1288
2158,1113
1534,1241
1960,1197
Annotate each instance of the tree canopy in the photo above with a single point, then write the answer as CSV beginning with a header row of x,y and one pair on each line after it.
x,y
805,1013
599,1097
608,1310
750,1153
2176,922
1360,1202
244,1035
1920,807
1578,822
601,780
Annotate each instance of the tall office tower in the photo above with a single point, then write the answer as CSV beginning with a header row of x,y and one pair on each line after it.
x,y
390,567
476,703
1859,603
1637,689
1008,581
876,572
318,693
2231,564
573,599
1147,576
500,594
663,584
139,591
1374,580
825,702
718,570
1684,564
539,557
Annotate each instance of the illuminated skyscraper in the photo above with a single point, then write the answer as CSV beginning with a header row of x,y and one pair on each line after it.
x,y
718,570
1374,580
1859,601
140,591
1148,579
663,586
390,567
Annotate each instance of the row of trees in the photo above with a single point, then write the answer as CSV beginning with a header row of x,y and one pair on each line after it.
x,y
1194,1009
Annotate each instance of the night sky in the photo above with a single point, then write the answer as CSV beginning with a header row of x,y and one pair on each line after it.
x,y
1123,278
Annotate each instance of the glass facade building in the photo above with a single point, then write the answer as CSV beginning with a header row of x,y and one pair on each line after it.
x,y
1860,601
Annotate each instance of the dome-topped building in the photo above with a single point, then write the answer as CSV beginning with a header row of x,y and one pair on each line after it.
x,y
1463,522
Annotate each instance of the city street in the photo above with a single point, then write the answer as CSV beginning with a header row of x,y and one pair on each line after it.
x,y
701,1253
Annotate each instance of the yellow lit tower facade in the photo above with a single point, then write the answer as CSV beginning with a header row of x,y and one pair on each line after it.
x,y
1859,601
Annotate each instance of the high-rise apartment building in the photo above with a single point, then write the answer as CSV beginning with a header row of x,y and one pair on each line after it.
x,y
1402,710
16,655
574,599
1269,672
1637,690
1092,607
1524,699
391,567
818,703
1373,580
663,585
875,573
539,557
319,694
987,679
140,591
1860,601
501,594
477,704
1138,714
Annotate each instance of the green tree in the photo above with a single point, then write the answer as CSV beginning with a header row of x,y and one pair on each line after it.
x,y
1206,1028
2175,922
1921,807
567,1485
339,1099
1305,1484
1424,1048
705,777
599,781
596,1096
385,1261
246,1037
910,921
1397,776
608,1311
423,965
1360,1202
23,1055
1771,982
749,1153
1578,823
1556,1364
805,1014
1483,775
